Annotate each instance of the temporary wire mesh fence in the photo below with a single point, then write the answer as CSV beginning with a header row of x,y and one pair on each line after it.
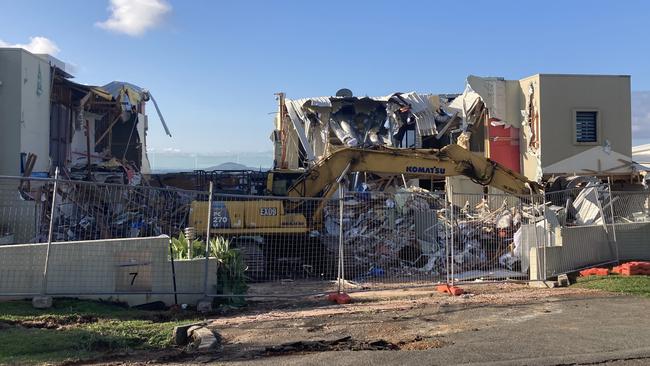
x,y
391,239
631,206
578,230
121,239
485,242
631,215
23,218
278,245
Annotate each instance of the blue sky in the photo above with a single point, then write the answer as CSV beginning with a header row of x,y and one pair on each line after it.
x,y
213,66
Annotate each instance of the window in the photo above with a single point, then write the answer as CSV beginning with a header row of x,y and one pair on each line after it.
x,y
586,127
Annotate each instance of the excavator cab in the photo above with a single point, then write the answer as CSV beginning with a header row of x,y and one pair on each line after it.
x,y
279,181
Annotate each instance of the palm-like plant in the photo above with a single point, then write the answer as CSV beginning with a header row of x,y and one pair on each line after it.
x,y
181,244
231,270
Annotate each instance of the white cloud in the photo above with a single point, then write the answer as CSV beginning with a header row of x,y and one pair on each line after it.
x,y
135,17
36,45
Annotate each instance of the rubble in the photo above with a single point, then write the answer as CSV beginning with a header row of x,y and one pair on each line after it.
x,y
405,233
87,211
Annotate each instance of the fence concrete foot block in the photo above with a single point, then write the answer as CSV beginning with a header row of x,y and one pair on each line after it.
x,y
563,280
204,305
42,302
179,333
203,339
543,284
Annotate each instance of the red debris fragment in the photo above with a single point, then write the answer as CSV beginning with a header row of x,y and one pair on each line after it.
x,y
339,298
633,269
451,290
594,272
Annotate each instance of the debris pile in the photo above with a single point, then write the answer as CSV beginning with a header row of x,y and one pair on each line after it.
x,y
406,233
86,211
485,238
110,170
379,230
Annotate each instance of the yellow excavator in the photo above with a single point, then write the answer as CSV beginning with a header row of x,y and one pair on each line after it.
x,y
298,213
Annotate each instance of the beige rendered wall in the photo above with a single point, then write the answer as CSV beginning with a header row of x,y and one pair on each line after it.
x,y
560,95
104,269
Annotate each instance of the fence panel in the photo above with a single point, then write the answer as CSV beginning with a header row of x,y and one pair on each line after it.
x,y
487,240
122,239
393,239
24,219
631,218
273,246
580,234
631,206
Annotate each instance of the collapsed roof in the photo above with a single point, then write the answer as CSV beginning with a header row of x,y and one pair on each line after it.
x,y
313,126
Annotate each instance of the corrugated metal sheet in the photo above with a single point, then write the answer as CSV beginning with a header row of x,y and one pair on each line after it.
x,y
299,121
422,108
316,102
424,112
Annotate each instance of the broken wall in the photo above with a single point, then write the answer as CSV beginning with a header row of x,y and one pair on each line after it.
x,y
79,142
530,116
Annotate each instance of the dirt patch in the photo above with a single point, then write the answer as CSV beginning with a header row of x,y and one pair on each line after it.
x,y
347,343
421,344
399,302
52,322
341,344
407,320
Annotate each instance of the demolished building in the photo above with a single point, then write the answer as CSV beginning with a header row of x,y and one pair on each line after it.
x,y
89,132
542,126
306,130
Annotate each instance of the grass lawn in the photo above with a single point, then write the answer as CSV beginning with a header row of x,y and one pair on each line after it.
x,y
636,285
81,330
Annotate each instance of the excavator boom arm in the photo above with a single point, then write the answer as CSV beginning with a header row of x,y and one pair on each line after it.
x,y
452,160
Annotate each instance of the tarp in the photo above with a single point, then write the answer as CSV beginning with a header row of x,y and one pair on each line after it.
x,y
597,160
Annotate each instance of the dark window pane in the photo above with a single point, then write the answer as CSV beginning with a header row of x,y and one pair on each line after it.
x,y
586,126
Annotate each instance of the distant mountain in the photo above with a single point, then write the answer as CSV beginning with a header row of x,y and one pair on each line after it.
x,y
186,161
640,117
229,166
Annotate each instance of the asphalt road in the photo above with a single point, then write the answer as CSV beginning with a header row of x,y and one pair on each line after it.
x,y
570,331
